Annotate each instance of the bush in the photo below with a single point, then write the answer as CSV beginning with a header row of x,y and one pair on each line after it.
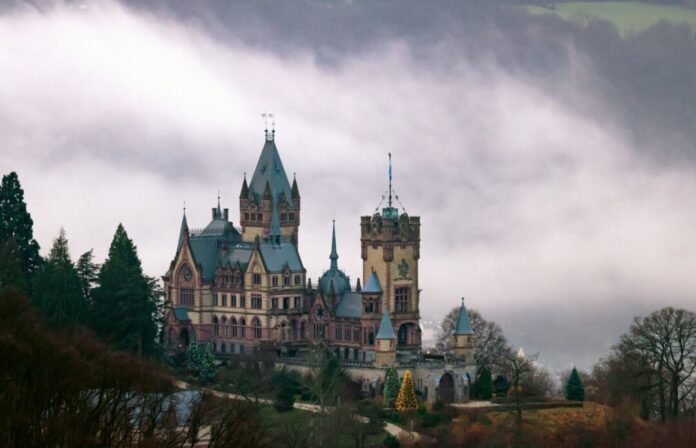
x,y
430,419
391,441
438,406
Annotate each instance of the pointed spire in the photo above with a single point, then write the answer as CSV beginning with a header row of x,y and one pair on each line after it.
x,y
309,283
463,324
219,210
358,288
184,231
390,182
386,330
267,191
245,189
295,190
334,253
372,285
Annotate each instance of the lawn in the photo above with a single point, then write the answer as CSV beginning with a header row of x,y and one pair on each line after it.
x,y
627,16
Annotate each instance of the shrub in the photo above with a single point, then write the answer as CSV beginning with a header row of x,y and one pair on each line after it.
x,y
391,441
430,419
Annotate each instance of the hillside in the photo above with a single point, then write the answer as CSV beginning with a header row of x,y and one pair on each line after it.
x,y
627,16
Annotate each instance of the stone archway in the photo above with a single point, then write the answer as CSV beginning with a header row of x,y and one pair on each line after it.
x,y
184,339
445,390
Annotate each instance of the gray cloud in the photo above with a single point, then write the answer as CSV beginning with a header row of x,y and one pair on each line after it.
x,y
539,202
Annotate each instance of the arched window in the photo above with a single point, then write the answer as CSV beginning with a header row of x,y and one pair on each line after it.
x,y
242,327
256,324
216,326
233,324
223,322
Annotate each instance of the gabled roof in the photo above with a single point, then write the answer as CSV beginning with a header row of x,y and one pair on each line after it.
x,y
463,325
350,305
386,331
270,169
277,256
372,285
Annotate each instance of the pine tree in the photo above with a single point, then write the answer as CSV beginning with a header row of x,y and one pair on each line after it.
x,y
199,359
406,401
88,271
574,389
16,224
11,273
484,384
125,302
56,290
391,387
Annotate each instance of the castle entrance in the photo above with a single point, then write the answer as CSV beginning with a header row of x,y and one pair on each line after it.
x,y
445,391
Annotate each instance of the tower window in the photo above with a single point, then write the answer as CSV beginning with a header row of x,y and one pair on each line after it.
x,y
256,279
401,296
298,280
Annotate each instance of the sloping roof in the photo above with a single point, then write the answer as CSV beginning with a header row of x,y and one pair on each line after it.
x,y
350,305
386,331
372,285
270,169
181,313
463,324
278,256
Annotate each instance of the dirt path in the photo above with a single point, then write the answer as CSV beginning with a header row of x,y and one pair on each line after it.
x,y
396,431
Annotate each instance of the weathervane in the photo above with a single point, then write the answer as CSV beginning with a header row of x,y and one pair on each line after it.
x,y
266,116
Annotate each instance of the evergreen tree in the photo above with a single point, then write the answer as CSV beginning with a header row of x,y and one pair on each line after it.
x,y
11,273
16,224
406,400
56,286
485,384
574,390
501,385
391,387
88,271
199,359
125,302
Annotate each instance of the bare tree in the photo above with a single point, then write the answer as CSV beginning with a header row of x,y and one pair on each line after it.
x,y
518,367
490,344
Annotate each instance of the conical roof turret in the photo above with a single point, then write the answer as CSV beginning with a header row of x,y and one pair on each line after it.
x,y
386,330
463,326
183,231
244,194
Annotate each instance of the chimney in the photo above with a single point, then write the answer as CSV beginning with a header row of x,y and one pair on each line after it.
x,y
226,214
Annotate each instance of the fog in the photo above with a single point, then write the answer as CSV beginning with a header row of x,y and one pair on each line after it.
x,y
551,163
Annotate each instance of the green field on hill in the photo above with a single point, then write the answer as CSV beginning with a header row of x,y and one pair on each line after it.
x,y
627,16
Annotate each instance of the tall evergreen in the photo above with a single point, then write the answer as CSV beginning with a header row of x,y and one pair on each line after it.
x,y
125,302
391,387
88,271
16,224
574,390
11,273
484,384
57,290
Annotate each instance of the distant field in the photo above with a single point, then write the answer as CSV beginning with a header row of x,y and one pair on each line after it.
x,y
627,16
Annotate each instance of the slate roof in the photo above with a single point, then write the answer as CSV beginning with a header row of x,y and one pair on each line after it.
x,y
278,256
372,285
386,331
181,313
350,305
270,169
463,324
341,283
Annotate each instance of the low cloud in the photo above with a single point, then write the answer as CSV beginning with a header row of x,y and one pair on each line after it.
x,y
543,215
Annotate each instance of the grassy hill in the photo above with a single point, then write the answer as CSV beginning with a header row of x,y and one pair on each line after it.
x,y
627,16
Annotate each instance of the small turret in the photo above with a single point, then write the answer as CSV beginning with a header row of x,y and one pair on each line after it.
x,y
463,336
244,194
183,232
358,288
295,190
385,342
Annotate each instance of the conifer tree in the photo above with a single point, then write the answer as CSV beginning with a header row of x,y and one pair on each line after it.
x,y
485,384
574,389
391,387
56,286
406,400
16,224
125,302
11,273
88,271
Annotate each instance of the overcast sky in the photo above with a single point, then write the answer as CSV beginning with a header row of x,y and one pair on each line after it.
x,y
538,202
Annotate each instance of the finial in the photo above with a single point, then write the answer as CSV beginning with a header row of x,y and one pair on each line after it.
x,y
390,182
244,175
462,301
265,122
184,208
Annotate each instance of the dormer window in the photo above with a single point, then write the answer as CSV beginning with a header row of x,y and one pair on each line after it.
x,y
274,280
286,280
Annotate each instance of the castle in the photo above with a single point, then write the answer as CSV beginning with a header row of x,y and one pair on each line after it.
x,y
243,289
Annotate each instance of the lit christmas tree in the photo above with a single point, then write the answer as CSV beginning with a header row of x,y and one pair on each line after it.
x,y
406,401
391,387
200,360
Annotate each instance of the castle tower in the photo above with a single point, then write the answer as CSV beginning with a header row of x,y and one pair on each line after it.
x,y
385,342
391,248
463,337
268,193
